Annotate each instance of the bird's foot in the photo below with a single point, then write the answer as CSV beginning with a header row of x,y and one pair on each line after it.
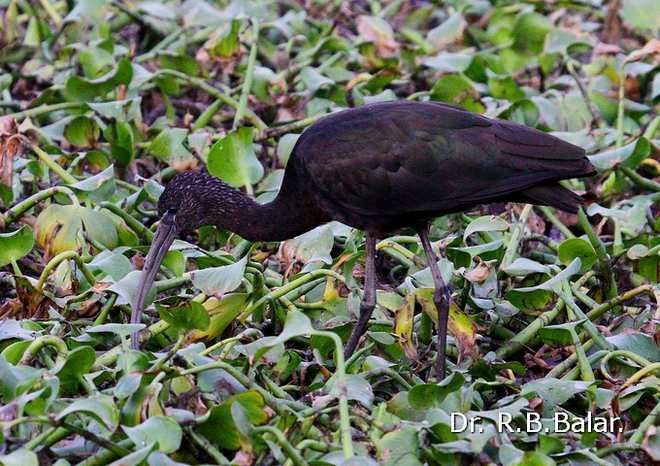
x,y
366,309
442,301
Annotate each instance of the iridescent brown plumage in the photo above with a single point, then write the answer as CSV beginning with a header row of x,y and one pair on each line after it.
x,y
379,168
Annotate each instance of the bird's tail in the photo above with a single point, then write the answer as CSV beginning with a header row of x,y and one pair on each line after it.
x,y
553,195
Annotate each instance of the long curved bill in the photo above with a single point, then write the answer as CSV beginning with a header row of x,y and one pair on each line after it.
x,y
165,234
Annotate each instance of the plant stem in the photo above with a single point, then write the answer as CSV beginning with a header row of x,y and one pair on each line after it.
x,y
516,234
50,163
52,12
277,404
249,74
207,114
588,325
599,310
41,342
19,209
61,257
30,112
550,215
293,454
207,447
212,91
603,259
648,421
640,180
133,223
288,128
285,289
524,336
110,356
104,456
340,373
620,116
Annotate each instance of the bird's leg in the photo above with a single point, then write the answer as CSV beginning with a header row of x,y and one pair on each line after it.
x,y
368,298
441,299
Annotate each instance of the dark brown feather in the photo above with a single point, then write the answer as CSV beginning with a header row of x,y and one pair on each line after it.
x,y
378,166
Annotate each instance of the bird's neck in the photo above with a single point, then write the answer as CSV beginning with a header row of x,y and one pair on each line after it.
x,y
283,218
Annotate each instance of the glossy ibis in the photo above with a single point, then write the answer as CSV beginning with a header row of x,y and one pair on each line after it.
x,y
379,168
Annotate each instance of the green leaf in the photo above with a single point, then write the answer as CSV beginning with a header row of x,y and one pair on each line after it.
x,y
641,14
429,395
457,90
81,90
356,388
220,428
485,223
99,407
164,431
188,317
233,160
120,136
113,264
285,146
577,247
222,314
561,334
399,448
20,457
216,281
638,343
447,32
314,80
227,43
296,324
15,245
529,32
169,143
65,228
447,62
136,458
96,182
554,392
182,63
78,362
120,110
14,380
95,61
554,283
122,330
523,266
629,155
82,132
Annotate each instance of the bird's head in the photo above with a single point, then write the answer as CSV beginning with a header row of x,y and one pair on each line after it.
x,y
183,203
183,206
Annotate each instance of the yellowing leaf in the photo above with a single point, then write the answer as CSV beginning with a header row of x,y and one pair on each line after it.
x,y
460,324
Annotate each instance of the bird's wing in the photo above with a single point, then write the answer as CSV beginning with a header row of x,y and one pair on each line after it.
x,y
406,157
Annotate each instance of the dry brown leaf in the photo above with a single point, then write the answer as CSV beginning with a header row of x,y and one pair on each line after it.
x,y
480,273
378,31
12,144
652,47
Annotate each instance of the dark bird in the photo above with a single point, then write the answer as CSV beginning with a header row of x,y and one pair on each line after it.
x,y
379,168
